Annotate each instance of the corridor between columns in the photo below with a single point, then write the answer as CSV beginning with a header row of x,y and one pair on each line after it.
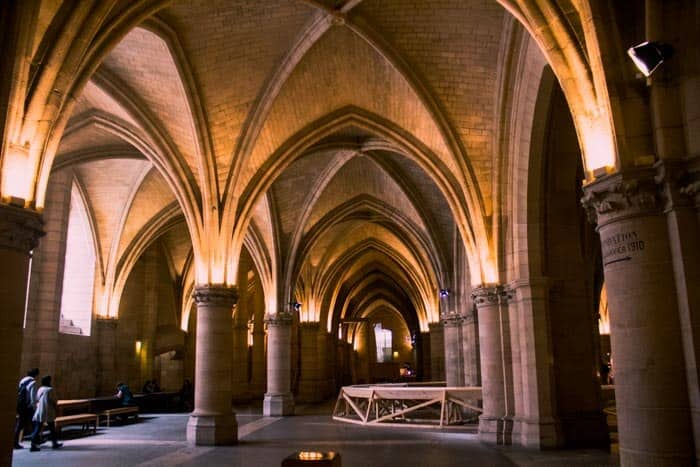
x,y
207,198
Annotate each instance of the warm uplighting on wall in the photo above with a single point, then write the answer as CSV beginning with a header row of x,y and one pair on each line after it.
x,y
139,345
16,174
603,314
599,149
488,268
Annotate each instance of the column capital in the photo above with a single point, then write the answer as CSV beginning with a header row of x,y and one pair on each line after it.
x,y
281,318
489,295
215,294
632,193
451,319
107,322
437,325
20,229
681,182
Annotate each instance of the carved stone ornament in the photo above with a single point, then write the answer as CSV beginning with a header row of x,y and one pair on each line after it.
x,y
281,318
20,229
488,296
632,193
680,181
215,295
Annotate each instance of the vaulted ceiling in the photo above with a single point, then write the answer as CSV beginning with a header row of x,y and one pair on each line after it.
x,y
363,136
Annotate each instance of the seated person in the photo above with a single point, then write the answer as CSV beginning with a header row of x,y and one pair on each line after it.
x,y
147,387
124,394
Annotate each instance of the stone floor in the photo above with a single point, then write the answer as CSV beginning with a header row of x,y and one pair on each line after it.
x,y
159,440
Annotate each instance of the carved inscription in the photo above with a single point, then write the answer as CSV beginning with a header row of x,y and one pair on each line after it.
x,y
623,246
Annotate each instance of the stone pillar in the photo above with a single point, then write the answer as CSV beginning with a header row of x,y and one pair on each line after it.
x,y
326,350
452,332
533,374
654,422
106,351
46,284
278,399
20,230
240,390
437,352
239,371
470,349
682,193
310,383
213,421
258,380
150,315
494,424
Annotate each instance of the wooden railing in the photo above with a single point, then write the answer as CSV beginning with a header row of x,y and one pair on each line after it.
x,y
406,404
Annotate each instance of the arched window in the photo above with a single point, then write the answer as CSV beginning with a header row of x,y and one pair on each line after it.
x,y
383,339
78,270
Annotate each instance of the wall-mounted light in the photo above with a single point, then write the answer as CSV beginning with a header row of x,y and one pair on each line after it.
x,y
139,345
444,293
647,56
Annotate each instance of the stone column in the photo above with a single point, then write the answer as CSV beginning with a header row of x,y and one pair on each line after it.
x,y
20,230
535,423
437,352
213,421
310,384
258,379
326,351
239,371
681,182
494,426
258,382
452,332
278,399
150,315
470,349
654,422
240,390
106,351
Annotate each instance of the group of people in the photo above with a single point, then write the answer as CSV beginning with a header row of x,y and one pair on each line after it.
x,y
150,386
37,404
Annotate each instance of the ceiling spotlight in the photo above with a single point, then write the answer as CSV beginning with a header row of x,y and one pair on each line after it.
x,y
647,56
444,293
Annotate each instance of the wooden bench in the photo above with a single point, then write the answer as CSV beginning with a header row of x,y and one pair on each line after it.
x,y
83,419
126,411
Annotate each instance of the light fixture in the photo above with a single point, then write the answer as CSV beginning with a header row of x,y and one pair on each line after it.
x,y
444,293
139,345
647,56
296,305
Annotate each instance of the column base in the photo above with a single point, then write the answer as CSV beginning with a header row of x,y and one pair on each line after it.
x,y
540,434
494,430
212,430
278,405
